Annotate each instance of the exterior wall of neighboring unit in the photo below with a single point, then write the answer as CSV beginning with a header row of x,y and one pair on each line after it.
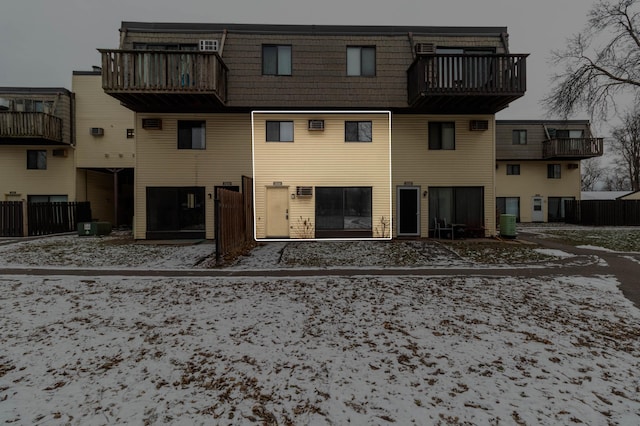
x,y
470,164
533,182
97,188
633,196
226,158
95,109
321,159
17,182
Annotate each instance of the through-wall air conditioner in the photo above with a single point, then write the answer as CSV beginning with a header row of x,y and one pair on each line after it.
x,y
60,153
425,49
152,123
316,124
572,166
208,45
304,191
96,131
479,125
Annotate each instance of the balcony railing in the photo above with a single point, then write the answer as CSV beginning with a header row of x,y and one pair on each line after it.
x,y
150,80
30,126
466,82
572,148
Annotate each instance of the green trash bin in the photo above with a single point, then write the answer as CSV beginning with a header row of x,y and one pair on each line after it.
x,y
508,225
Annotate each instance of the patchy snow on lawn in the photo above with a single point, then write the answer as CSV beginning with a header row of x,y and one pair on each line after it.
x,y
553,252
362,350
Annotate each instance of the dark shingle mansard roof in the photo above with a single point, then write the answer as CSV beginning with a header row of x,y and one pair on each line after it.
x,y
169,27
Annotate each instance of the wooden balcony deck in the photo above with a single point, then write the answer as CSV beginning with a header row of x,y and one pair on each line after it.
x,y
165,81
572,148
17,128
466,83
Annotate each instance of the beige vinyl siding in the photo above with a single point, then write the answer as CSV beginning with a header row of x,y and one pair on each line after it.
x,y
94,108
57,179
321,158
97,188
533,181
633,196
472,162
227,158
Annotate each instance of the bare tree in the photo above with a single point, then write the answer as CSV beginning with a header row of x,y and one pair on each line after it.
x,y
591,174
616,180
599,63
626,147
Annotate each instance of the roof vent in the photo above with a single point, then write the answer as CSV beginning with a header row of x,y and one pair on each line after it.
x,y
479,125
152,123
316,124
425,49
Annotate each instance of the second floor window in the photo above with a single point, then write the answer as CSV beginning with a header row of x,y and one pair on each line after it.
x,y
357,131
36,159
442,135
276,60
279,131
519,137
553,171
361,61
191,135
513,169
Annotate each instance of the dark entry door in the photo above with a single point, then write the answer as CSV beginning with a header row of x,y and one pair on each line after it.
x,y
408,211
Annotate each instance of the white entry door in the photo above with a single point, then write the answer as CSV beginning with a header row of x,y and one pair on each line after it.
x,y
537,214
277,212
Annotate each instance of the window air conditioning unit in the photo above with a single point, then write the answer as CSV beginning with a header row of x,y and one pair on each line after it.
x,y
572,166
60,153
479,125
208,45
152,123
425,49
304,191
96,131
316,124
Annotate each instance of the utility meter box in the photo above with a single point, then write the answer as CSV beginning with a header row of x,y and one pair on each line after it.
x,y
94,228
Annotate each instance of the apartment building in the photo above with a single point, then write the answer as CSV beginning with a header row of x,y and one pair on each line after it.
x,y
538,166
36,144
359,131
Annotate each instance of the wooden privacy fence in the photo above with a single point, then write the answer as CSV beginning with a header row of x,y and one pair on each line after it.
x,y
603,212
234,220
11,219
41,218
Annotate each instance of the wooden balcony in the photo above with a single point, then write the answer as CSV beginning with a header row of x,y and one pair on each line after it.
x,y
165,81
466,83
29,128
572,148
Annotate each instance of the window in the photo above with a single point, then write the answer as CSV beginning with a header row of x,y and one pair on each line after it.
x,y
361,61
191,135
276,60
130,133
457,204
556,208
279,131
509,205
357,131
513,169
36,159
553,171
442,135
519,137
343,211
47,198
176,211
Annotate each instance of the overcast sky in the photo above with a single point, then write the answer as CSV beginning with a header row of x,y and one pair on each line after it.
x,y
43,41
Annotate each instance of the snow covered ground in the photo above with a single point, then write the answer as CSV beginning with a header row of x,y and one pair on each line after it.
x,y
321,350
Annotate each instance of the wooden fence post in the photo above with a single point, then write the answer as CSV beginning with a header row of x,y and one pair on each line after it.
x,y
25,219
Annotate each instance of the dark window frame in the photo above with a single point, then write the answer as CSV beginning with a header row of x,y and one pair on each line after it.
x,y
436,137
516,137
360,135
185,136
554,171
501,204
362,60
277,49
273,136
36,159
513,169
